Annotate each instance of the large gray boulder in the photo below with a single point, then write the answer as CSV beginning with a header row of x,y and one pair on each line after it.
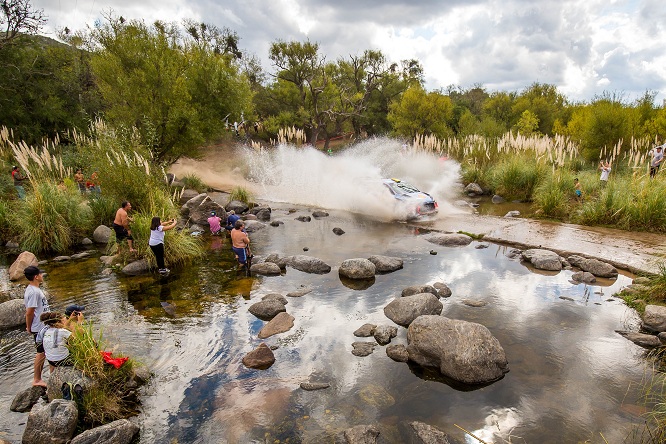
x,y
263,213
386,264
260,358
443,290
646,341
267,309
67,374
654,318
136,268
102,234
121,431
449,239
598,268
12,313
278,259
281,323
463,351
416,289
357,269
24,400
266,269
197,210
403,311
186,195
308,264
52,423
473,188
252,226
543,259
25,259
237,206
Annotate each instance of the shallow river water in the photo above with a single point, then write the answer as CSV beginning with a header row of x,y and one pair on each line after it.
x,y
572,378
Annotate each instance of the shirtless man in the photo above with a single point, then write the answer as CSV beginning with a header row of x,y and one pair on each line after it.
x,y
239,243
121,225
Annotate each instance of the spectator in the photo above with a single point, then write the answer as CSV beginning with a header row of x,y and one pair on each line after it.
x,y
35,305
80,180
156,242
215,223
18,182
121,225
657,158
605,168
232,218
54,338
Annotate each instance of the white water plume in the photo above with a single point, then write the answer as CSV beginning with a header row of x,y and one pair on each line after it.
x,y
351,180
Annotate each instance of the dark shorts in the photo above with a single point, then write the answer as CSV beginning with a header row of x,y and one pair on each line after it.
x,y
67,362
240,252
39,347
121,233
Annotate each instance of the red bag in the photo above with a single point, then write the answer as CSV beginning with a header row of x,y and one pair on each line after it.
x,y
116,362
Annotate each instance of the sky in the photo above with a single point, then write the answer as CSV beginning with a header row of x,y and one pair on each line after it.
x,y
584,47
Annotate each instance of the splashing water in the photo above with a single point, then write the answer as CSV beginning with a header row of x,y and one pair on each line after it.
x,y
351,180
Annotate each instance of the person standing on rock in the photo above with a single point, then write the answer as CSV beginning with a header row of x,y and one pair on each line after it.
x,y
121,225
240,242
35,305
156,242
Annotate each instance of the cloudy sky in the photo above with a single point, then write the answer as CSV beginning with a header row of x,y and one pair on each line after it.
x,y
584,47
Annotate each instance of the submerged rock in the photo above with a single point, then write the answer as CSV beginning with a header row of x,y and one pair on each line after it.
x,y
584,276
361,434
309,264
121,431
338,231
136,268
403,311
311,386
543,259
358,268
443,290
303,218
298,293
266,269
24,400
430,435
365,330
260,358
281,323
463,351
647,341
416,289
267,310
449,239
363,348
319,213
386,264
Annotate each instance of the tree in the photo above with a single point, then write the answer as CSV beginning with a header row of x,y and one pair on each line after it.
x,y
528,124
418,112
19,17
544,102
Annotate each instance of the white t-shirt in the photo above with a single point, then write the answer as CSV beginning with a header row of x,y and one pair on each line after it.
x,y
656,157
54,343
156,236
34,298
605,172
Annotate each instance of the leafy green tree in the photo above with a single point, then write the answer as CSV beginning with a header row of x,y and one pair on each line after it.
x,y
419,112
544,102
175,89
528,124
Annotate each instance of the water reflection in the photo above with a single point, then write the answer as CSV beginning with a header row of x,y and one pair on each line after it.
x,y
571,376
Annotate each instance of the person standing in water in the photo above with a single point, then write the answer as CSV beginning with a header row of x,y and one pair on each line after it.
x,y
239,243
156,242
121,225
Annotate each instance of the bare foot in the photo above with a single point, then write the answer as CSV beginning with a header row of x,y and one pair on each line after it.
x,y
39,383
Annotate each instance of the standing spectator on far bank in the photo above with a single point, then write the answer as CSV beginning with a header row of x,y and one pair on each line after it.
x,y
657,158
605,168
35,304
18,182
578,189
80,180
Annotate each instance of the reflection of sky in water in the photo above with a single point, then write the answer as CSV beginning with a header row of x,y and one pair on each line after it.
x,y
570,373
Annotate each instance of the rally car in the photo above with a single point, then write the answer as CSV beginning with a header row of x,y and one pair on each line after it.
x,y
412,201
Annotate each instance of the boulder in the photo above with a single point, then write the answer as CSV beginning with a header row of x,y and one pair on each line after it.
x,y
397,352
278,259
543,259
514,213
249,217
584,276
363,348
276,223
101,234
357,269
449,239
300,292
252,226
416,289
497,199
25,259
430,435
281,323
338,231
646,341
197,210
12,314
311,386
136,268
361,434
62,258
263,213
309,264
266,269
474,188
24,400
275,297
260,358
53,423
443,290
12,244
474,303
319,213
66,374
386,264
86,241
267,310
654,318
303,218
598,268
403,311
237,206
575,260
186,195
384,333
81,255
365,330
121,431
463,351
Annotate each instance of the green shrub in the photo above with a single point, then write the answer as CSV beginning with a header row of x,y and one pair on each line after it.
x,y
51,219
103,208
552,195
193,181
106,400
240,194
515,177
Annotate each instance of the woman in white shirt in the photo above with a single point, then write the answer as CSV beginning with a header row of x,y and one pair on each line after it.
x,y
156,242
54,337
